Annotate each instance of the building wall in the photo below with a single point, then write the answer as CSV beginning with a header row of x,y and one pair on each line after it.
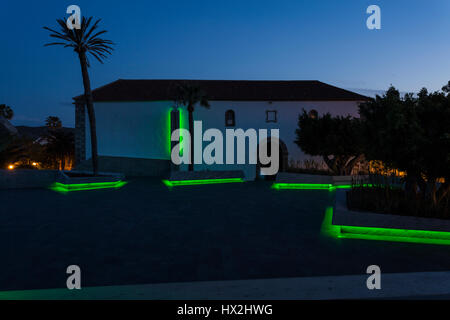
x,y
132,129
142,129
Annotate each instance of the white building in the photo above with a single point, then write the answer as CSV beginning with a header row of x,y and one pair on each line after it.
x,y
134,125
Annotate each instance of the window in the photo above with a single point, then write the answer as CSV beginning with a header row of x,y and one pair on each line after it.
x,y
271,116
230,119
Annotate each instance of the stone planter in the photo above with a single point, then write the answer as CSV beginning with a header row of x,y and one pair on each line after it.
x,y
80,180
287,180
26,178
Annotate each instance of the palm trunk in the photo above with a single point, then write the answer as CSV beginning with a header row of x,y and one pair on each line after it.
x,y
191,131
90,108
351,164
63,162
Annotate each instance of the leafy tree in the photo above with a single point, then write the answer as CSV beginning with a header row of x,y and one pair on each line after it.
x,y
391,133
6,111
434,115
335,139
411,134
83,41
190,95
53,122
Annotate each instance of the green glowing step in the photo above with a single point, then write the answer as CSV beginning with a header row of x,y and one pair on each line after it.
x,y
61,187
171,183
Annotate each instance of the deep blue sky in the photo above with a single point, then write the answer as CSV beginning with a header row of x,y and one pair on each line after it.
x,y
215,39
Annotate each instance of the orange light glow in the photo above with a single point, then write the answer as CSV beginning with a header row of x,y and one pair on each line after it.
x,y
34,164
10,167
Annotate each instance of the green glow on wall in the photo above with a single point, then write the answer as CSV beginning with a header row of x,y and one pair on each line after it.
x,y
312,186
200,182
61,187
169,131
382,234
181,127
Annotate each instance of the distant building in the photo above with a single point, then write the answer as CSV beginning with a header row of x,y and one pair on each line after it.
x,y
133,118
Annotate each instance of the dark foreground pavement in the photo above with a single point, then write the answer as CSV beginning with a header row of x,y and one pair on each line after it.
x,y
146,233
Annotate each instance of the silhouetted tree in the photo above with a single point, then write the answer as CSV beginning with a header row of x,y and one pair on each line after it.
x,y
411,134
335,139
83,41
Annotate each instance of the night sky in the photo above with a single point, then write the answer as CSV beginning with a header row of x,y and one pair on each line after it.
x,y
254,40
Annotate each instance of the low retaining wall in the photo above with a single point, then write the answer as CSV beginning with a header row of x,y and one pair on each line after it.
x,y
286,177
204,175
344,217
130,167
23,178
345,180
102,177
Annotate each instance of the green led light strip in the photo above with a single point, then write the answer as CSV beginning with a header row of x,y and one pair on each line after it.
x,y
199,182
382,234
181,127
61,187
313,186
169,132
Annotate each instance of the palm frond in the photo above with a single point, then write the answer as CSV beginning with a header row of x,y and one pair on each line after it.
x,y
84,40
190,95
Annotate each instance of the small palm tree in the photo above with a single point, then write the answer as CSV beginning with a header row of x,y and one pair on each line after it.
x,y
85,40
189,95
53,122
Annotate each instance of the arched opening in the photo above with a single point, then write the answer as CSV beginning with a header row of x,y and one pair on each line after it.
x,y
283,156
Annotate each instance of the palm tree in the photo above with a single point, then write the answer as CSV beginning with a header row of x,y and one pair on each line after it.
x,y
53,122
189,95
83,41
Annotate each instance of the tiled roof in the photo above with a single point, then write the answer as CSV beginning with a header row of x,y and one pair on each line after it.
x,y
225,90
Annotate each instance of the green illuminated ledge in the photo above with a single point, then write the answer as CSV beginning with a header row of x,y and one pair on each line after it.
x,y
312,186
200,182
61,187
320,186
382,234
